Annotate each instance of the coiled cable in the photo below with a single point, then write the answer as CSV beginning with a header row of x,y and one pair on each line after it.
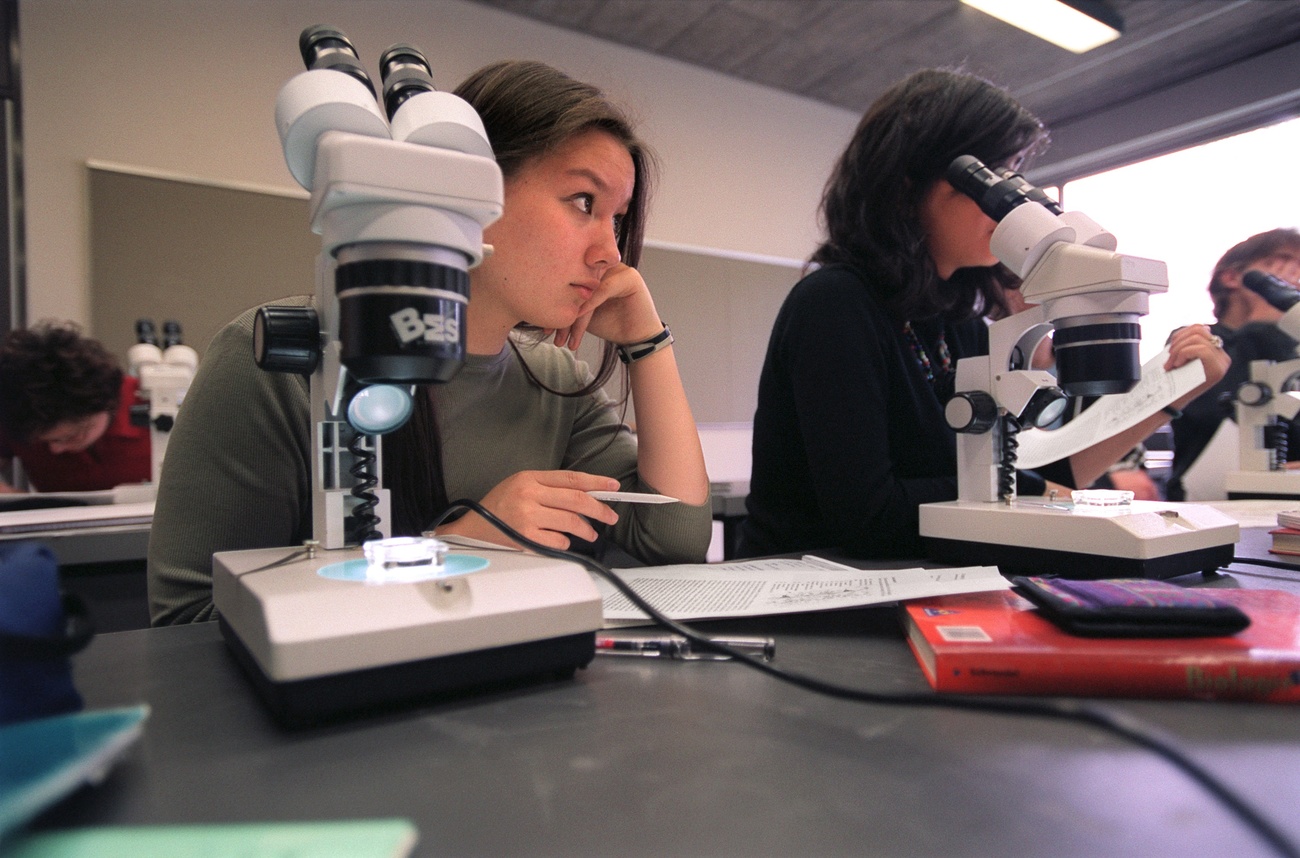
x,y
1007,461
363,523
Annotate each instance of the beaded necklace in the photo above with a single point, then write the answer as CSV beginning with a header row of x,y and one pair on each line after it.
x,y
923,358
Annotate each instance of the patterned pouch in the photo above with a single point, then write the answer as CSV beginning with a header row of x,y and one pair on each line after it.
x,y
1131,608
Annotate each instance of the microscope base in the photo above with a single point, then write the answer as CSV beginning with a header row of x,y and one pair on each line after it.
x,y
1039,537
317,648
318,700
1245,485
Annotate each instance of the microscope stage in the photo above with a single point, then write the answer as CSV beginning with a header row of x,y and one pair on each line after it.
x,y
1038,536
318,646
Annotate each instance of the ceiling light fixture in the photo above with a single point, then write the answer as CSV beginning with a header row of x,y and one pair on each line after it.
x,y
1076,25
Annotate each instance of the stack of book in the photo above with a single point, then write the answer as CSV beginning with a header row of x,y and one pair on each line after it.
x,y
1286,537
999,643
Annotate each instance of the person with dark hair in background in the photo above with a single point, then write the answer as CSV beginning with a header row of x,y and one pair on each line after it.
x,y
1247,324
849,434
65,412
524,428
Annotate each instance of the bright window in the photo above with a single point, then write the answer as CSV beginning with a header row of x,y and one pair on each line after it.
x,y
1188,207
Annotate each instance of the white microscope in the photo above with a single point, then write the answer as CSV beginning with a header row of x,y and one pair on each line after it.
x,y
1092,298
400,203
1266,404
165,372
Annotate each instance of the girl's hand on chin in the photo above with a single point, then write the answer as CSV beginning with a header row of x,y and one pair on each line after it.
x,y
621,311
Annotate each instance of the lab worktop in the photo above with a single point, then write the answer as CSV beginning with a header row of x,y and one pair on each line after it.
x,y
646,757
101,549
100,533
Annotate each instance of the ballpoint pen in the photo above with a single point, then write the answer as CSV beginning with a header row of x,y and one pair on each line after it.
x,y
681,648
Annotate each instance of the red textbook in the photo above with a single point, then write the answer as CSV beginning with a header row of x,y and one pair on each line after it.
x,y
1286,540
998,643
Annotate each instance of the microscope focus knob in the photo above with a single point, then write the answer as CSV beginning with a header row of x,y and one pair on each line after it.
x,y
287,339
973,411
164,422
1253,394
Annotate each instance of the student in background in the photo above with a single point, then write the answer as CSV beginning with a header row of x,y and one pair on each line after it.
x,y
65,412
523,428
849,433
1247,324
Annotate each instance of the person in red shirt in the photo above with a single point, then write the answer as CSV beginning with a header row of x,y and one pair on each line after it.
x,y
65,412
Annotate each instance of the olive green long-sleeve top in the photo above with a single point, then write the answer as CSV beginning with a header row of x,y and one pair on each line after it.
x,y
237,472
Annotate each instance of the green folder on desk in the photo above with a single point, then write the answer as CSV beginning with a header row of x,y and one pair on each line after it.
x,y
366,838
45,759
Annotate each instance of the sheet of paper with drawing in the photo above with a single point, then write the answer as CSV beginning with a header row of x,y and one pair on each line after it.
x,y
748,588
1110,415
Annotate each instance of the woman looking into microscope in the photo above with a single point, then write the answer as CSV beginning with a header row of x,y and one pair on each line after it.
x,y
523,428
849,434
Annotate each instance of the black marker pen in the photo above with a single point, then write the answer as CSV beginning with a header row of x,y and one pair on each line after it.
x,y
678,647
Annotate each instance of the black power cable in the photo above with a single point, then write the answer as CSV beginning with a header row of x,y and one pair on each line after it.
x,y
1118,724
1272,564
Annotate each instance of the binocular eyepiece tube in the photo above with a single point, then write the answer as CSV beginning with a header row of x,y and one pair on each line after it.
x,y
405,73
324,47
1096,353
998,190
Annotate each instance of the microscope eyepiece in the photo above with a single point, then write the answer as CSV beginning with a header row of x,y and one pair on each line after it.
x,y
996,195
171,333
145,332
1277,292
405,73
997,190
1033,192
324,47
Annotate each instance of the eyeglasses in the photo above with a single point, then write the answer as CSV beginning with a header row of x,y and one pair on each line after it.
x,y
1282,265
1284,258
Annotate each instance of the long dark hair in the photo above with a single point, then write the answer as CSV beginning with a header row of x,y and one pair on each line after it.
x,y
529,109
903,145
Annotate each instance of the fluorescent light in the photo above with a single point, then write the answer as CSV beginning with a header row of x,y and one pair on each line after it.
x,y
1055,21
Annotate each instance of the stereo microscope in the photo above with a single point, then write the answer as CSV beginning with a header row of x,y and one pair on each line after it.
x,y
358,619
1091,297
1266,404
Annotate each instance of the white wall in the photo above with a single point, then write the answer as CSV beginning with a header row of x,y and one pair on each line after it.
x,y
188,87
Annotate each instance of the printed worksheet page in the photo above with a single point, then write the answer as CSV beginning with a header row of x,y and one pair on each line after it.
x,y
748,588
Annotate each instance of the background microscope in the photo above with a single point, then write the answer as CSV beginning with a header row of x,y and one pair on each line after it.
x,y
165,369
1266,404
1092,298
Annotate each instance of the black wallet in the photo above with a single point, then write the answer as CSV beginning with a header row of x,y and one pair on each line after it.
x,y
1131,608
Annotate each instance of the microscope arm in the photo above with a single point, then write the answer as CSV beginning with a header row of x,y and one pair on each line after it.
x,y
988,391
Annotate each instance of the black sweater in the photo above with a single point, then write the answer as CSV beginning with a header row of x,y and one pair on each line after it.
x,y
849,435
